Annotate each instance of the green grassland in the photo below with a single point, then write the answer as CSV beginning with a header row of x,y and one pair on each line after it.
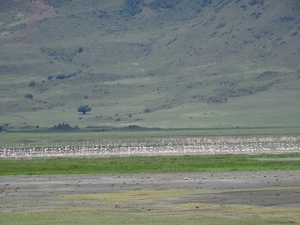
x,y
147,164
210,214
177,217
178,64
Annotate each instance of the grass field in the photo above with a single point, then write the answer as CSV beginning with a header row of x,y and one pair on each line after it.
x,y
209,214
153,164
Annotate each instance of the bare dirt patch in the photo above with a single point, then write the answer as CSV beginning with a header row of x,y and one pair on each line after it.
x,y
28,16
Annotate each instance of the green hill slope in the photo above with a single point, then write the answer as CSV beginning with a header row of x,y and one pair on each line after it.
x,y
152,63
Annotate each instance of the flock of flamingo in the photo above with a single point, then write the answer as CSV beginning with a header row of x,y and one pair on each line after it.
x,y
156,146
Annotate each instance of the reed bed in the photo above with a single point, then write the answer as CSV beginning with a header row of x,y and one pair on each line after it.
x,y
155,147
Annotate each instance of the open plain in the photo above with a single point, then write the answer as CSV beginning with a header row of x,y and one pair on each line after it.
x,y
200,98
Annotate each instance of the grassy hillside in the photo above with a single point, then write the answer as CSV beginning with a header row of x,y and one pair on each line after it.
x,y
151,63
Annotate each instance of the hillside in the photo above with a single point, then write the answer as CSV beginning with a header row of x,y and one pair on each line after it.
x,y
151,63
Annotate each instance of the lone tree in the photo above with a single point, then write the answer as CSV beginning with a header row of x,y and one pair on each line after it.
x,y
84,109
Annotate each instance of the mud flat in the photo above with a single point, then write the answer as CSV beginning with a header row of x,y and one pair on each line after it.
x,y
47,193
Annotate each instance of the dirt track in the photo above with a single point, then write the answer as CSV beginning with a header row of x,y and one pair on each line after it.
x,y
38,13
38,193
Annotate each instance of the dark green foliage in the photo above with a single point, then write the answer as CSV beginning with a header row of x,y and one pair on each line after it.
x,y
147,110
84,109
255,2
165,4
132,7
286,19
28,95
256,15
206,2
3,128
103,15
244,7
221,25
216,99
60,77
63,76
267,75
80,49
243,91
294,34
64,127
31,83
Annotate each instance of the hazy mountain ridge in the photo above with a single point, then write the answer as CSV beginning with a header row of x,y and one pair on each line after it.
x,y
135,56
